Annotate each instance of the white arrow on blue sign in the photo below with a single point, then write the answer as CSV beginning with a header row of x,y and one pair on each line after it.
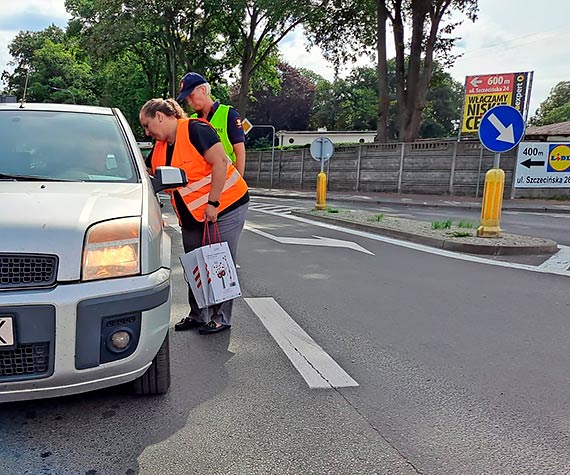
x,y
501,129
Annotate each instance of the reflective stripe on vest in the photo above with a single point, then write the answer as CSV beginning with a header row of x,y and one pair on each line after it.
x,y
202,200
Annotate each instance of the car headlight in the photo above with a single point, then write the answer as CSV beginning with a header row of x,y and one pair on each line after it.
x,y
112,249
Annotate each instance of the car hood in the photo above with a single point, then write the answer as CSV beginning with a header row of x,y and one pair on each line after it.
x,y
52,218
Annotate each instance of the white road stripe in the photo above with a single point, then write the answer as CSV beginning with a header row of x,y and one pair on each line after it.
x,y
423,248
318,369
559,261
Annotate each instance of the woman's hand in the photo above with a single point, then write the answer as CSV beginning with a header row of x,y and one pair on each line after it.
x,y
211,214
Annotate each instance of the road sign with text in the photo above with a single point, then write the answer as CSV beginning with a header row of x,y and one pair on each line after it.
x,y
489,90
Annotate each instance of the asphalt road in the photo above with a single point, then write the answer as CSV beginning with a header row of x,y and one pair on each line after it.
x,y
546,225
462,369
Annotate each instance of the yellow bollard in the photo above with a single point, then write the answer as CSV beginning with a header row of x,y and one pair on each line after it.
x,y
492,204
321,191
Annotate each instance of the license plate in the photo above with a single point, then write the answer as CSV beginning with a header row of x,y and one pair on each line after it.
x,y
6,332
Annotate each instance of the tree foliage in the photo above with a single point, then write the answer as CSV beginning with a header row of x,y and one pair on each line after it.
x,y
287,106
556,107
169,37
259,26
364,21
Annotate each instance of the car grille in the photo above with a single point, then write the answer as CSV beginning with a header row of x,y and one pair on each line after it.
x,y
27,270
26,360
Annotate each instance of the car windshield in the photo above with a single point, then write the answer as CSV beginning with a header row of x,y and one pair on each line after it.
x,y
66,146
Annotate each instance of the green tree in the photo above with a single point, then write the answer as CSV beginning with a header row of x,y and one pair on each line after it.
x,y
287,105
54,67
350,103
260,26
556,107
365,22
169,37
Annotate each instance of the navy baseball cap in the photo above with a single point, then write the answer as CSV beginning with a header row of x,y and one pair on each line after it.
x,y
188,83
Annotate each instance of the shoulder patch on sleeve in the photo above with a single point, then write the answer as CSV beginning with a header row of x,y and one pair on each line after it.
x,y
238,123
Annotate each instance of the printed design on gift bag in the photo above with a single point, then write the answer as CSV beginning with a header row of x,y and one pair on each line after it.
x,y
210,271
222,269
197,278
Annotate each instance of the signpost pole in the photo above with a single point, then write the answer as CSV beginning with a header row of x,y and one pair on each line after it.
x,y
500,130
496,160
322,149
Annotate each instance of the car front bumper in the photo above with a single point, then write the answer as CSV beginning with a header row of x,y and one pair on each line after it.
x,y
72,323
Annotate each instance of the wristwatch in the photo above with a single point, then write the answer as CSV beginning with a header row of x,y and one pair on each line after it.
x,y
215,204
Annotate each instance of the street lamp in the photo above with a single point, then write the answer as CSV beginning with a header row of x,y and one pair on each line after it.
x,y
64,90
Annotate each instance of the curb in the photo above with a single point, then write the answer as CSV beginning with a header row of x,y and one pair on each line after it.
x,y
550,247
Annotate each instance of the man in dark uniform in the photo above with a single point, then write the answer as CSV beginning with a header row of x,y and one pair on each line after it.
x,y
195,91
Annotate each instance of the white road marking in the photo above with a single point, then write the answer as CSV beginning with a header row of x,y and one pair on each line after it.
x,y
316,241
430,250
417,247
316,367
559,261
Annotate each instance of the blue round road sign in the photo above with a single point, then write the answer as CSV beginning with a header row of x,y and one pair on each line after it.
x,y
501,129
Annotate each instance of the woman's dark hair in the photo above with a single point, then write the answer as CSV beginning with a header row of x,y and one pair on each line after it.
x,y
168,107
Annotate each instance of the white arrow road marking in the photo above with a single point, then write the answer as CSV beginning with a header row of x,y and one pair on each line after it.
x,y
317,241
506,134
559,261
318,369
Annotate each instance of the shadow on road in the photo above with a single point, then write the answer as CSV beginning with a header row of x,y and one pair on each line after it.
x,y
105,432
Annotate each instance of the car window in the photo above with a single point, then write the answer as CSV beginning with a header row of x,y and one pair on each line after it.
x,y
64,145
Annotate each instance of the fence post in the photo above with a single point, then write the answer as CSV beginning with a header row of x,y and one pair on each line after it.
x,y
279,169
259,167
358,158
479,171
328,172
302,166
401,171
452,175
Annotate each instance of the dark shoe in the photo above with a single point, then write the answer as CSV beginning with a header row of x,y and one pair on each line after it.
x,y
187,324
213,327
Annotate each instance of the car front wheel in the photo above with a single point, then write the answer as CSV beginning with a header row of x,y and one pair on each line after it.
x,y
156,379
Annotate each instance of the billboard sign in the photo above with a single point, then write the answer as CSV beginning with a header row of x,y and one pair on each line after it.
x,y
543,165
486,91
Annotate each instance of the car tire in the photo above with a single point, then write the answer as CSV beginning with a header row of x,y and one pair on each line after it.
x,y
156,379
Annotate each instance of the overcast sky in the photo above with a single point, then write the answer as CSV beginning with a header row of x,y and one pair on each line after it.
x,y
509,36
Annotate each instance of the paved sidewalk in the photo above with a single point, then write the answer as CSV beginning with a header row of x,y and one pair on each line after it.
x,y
437,201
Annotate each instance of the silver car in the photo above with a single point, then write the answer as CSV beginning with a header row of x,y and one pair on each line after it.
x,y
84,257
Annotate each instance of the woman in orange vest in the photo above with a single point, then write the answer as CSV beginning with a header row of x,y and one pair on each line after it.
x,y
216,192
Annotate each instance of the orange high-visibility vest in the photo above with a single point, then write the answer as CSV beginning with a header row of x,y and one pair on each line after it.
x,y
199,173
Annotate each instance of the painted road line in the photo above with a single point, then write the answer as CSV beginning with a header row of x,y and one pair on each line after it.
x,y
424,248
314,241
317,368
559,261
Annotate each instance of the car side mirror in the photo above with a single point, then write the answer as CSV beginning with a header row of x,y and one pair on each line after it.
x,y
168,177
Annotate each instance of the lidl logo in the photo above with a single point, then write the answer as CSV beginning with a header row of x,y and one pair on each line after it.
x,y
559,158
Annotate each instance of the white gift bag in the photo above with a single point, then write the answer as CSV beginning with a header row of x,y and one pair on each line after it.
x,y
223,280
211,273
196,275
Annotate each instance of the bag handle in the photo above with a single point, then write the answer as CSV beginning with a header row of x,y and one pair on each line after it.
x,y
216,236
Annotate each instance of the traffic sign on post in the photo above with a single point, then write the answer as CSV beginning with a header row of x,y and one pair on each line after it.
x,y
501,129
322,148
246,125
